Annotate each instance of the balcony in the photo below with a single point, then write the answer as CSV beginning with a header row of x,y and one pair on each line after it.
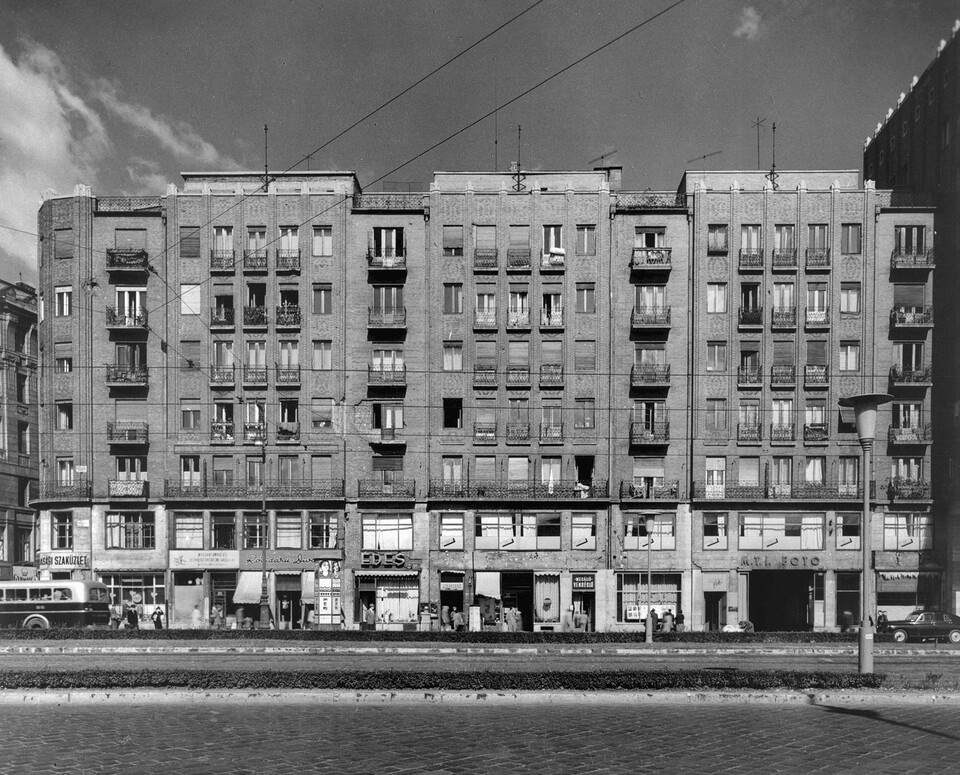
x,y
519,490
255,376
65,491
384,375
288,432
751,260
818,259
778,491
554,261
650,259
222,376
127,260
551,319
784,260
749,376
901,377
749,433
255,317
668,491
784,317
650,375
551,433
911,259
222,261
386,262
304,489
124,375
650,317
551,375
518,431
128,433
288,260
750,317
126,320
816,376
644,434
387,319
485,260
388,436
816,433
221,432
128,488
288,316
518,376
255,261
915,317
781,433
317,489
376,489
485,376
288,376
518,318
519,260
817,318
222,317
254,432
485,318
783,376
908,489
918,434
484,433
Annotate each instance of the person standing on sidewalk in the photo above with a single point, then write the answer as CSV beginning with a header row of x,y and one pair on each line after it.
x,y
157,618
370,617
133,618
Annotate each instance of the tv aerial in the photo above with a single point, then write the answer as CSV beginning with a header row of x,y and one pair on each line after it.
x,y
602,156
704,157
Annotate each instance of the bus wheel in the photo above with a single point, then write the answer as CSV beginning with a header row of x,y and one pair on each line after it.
x,y
37,624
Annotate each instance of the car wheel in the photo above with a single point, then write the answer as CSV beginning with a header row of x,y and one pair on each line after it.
x,y
899,636
954,636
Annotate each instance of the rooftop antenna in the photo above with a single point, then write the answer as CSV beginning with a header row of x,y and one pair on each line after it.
x,y
266,173
703,158
772,175
602,156
519,177
756,125
496,116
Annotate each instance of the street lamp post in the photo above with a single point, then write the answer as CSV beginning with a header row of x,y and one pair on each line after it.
x,y
865,408
264,536
648,627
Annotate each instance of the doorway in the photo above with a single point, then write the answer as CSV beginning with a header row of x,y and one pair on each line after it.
x,y
517,591
289,590
714,610
782,600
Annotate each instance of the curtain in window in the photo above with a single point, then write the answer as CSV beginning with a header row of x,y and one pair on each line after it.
x,y
814,470
397,599
811,531
546,595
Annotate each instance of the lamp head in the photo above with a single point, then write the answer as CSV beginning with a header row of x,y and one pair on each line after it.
x,y
865,408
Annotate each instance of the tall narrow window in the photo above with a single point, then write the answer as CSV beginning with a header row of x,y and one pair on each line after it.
x,y
322,241
453,240
586,240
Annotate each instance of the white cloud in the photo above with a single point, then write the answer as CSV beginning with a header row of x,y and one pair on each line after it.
x,y
749,25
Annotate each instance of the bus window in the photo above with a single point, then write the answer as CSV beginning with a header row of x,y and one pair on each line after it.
x,y
40,593
62,594
98,595
16,594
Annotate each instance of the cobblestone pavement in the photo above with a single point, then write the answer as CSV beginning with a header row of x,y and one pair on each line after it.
x,y
281,738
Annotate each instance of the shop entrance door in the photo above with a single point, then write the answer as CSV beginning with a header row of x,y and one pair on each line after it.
x,y
517,591
781,600
714,610
584,603
288,601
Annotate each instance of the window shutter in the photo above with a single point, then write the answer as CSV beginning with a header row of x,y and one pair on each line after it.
x,y
394,463
189,242
908,295
817,353
783,354
551,352
585,356
485,468
486,237
63,243
518,470
519,237
486,353
648,466
62,349
520,354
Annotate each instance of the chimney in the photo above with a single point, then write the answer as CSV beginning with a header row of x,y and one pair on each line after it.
x,y
614,176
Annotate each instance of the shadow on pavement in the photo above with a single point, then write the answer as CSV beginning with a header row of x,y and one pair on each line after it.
x,y
873,715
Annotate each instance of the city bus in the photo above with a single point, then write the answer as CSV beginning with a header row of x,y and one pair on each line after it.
x,y
39,605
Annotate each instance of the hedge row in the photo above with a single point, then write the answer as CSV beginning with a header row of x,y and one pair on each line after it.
x,y
469,681
321,636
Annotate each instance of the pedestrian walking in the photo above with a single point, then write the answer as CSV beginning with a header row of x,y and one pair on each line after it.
x,y
157,618
566,622
116,616
216,617
678,621
196,618
458,621
370,617
133,618
667,624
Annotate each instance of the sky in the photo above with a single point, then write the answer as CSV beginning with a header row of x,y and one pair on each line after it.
x,y
123,95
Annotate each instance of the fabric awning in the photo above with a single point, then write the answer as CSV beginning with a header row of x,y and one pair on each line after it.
x,y
384,573
248,588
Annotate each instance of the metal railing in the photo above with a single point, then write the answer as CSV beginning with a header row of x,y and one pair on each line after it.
x,y
518,318
383,374
222,260
128,433
784,317
651,258
650,432
815,431
902,376
759,492
912,259
127,258
288,375
222,316
288,260
749,375
551,375
387,261
784,259
551,434
281,490
255,316
518,376
749,432
751,316
917,316
118,374
485,376
222,431
255,260
254,432
643,491
818,258
128,488
222,375
386,318
376,488
288,431
518,431
552,261
519,490
642,374
916,434
79,490
485,318
484,433
783,375
485,258
288,316
908,489
750,260
519,259
551,319
126,318
816,375
780,432
650,317
255,375
818,317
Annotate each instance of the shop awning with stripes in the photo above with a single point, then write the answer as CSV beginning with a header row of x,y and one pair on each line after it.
x,y
384,573
248,588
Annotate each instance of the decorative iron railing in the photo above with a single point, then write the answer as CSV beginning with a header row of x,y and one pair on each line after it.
x,y
642,374
552,261
915,317
551,318
126,318
750,260
759,492
749,375
917,434
221,430
551,375
255,375
255,260
485,318
485,376
514,490
518,431
650,432
908,489
288,260
288,316
518,376
485,258
818,318
650,317
651,258
222,375
382,374
127,258
518,319
784,317
222,316
288,431
639,201
920,259
279,490
818,258
815,432
784,259
288,375
222,260
128,488
254,432
780,432
119,374
386,318
644,491
816,375
254,316
78,490
551,434
484,433
519,259
128,433
751,316
902,376
387,261
390,200
749,432
783,375
376,488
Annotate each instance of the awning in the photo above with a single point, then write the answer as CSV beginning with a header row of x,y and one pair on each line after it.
x,y
384,573
453,572
248,588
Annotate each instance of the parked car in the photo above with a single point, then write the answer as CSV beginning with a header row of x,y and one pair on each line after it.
x,y
924,625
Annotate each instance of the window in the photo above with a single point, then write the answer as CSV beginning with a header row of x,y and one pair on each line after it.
x,y
817,236
223,529
190,474
716,297
586,298
586,240
65,470
850,238
64,415
717,238
453,356
649,237
548,532
716,356
63,243
716,471
23,438
849,356
584,413
485,237
453,240
583,531
322,241
907,531
850,298
64,299
387,532
585,355
781,531
289,530
321,411
256,239
910,240
715,530
189,355
848,530
716,414
322,355
254,530
553,239
519,237
188,530
223,239
323,529
61,530
453,299
452,470
451,531
750,237
814,471
322,299
62,357
190,299
452,412
659,535
131,530
189,414
906,469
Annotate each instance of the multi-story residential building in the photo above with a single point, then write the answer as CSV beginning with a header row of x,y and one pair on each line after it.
x,y
914,152
19,455
513,393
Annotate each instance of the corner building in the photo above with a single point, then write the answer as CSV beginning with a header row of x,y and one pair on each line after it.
x,y
506,395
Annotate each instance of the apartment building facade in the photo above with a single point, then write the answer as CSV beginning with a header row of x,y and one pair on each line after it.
x,y
913,151
506,395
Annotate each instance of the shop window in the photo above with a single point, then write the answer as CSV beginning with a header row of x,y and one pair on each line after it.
x,y
659,535
715,530
848,597
907,531
144,591
188,530
778,532
632,600
907,591
388,532
393,599
289,530
546,597
323,529
548,531
131,530
583,531
505,531
223,528
451,531
61,536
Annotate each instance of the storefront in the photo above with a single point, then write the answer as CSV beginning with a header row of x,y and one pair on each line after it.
x,y
519,600
633,597
584,595
142,591
63,565
201,579
393,595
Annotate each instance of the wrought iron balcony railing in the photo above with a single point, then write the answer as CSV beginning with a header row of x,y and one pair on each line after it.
x,y
650,317
376,488
917,434
751,316
222,316
126,319
222,375
815,432
222,260
649,374
288,375
751,260
127,258
749,432
518,431
386,261
387,375
485,259
916,317
551,318
389,436
76,490
519,259
749,375
902,376
288,431
551,434
279,490
518,376
288,316
485,318
643,491
552,261
222,431
255,375
908,489
551,375
780,432
784,317
518,318
816,375
484,433
912,259
777,491
784,260
128,488
128,433
255,260
519,490
650,433
818,259
485,376
783,375
288,260
254,432
387,318
255,316
657,259
818,318
123,374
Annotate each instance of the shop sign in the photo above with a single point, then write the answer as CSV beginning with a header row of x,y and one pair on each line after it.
x,y
383,560
24,573
203,560
451,586
782,561
63,561
584,581
280,560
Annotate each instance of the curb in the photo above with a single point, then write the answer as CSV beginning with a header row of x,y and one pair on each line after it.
x,y
294,697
